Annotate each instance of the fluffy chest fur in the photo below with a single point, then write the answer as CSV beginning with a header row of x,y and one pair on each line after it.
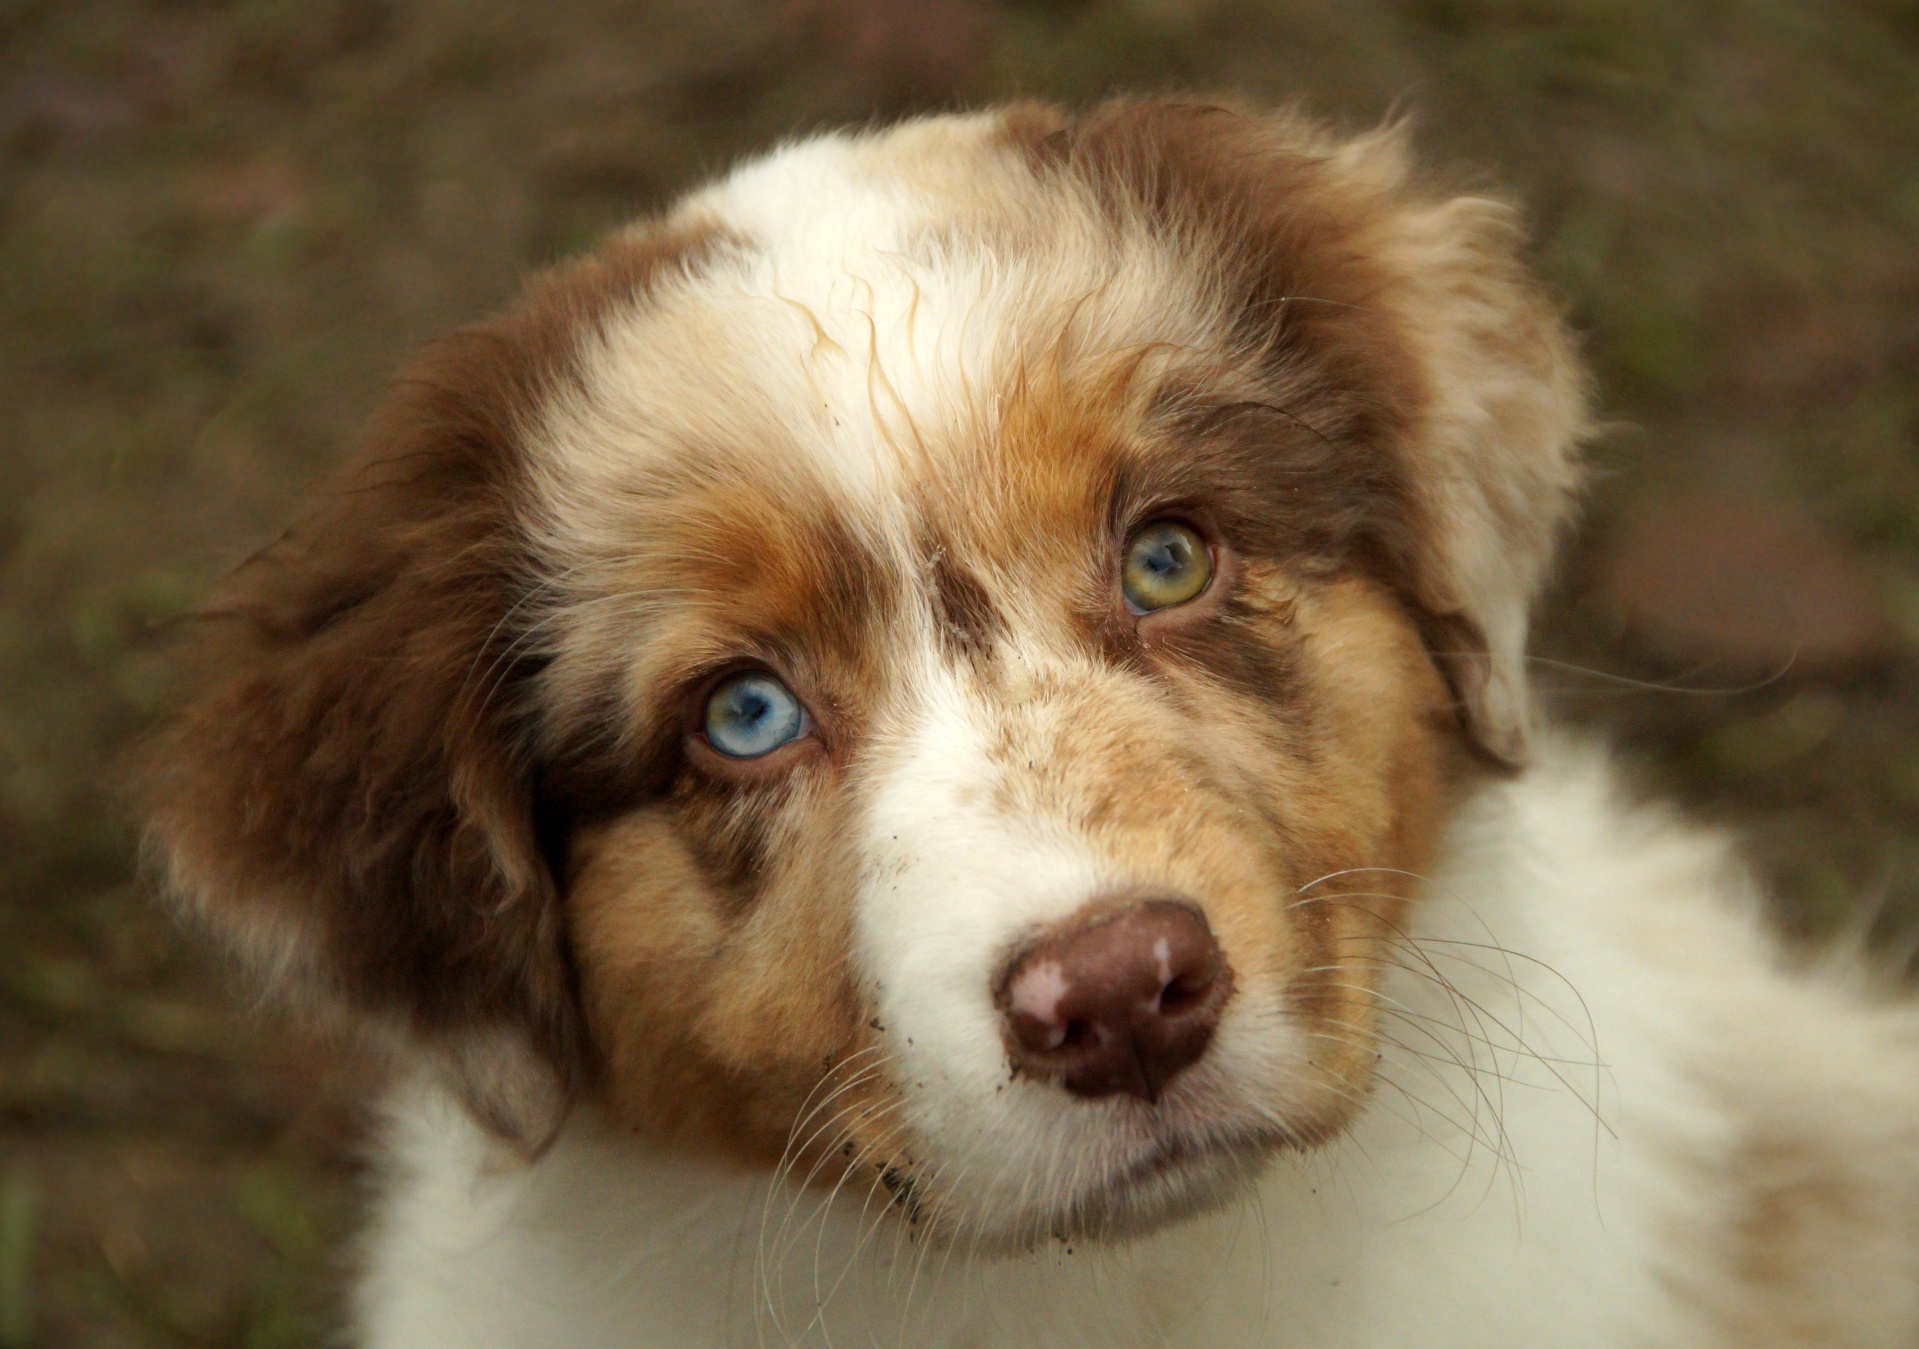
x,y
933,749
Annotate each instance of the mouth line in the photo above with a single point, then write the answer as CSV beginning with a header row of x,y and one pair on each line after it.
x,y
1168,1176
1176,1178
1172,1155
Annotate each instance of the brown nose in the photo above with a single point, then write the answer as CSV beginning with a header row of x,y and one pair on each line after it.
x,y
1121,1004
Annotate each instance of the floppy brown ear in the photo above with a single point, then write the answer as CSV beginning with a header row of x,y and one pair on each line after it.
x,y
348,802
1440,374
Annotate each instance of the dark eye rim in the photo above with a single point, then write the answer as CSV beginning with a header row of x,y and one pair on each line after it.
x,y
777,762
1219,559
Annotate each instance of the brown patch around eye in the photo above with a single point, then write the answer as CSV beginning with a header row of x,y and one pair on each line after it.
x,y
1278,487
1249,648
726,836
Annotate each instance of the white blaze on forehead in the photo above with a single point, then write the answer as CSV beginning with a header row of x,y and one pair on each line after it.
x,y
956,876
951,883
871,301
912,273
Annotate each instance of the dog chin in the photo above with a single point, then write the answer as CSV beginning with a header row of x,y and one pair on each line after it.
x,y
1174,1181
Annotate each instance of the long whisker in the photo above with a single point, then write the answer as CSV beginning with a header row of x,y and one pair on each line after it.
x,y
1417,947
766,1276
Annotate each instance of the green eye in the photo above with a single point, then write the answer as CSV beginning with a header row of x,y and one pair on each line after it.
x,y
1166,563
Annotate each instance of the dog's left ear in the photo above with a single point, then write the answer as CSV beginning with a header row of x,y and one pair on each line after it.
x,y
1440,377
351,804
1489,397
1490,463
347,804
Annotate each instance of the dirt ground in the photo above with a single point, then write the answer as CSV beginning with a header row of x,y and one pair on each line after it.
x,y
222,225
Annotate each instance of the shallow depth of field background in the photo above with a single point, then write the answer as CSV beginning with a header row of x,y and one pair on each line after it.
x,y
222,225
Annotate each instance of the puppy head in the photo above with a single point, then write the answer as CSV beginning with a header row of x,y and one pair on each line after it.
x,y
942,658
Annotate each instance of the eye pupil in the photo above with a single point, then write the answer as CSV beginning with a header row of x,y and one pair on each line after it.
x,y
1166,563
752,714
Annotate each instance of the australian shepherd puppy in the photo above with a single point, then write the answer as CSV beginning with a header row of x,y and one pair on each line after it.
x,y
932,749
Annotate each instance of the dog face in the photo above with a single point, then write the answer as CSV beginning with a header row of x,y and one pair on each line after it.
x,y
942,659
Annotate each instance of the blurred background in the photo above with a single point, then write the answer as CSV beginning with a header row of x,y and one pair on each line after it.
x,y
223,223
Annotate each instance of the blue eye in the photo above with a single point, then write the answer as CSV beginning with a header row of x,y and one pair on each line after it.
x,y
752,714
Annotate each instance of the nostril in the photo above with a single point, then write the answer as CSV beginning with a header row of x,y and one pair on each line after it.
x,y
1053,1037
1183,994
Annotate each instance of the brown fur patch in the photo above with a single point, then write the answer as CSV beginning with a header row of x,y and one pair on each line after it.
x,y
1795,1265
709,900
1256,199
1255,202
350,797
718,1024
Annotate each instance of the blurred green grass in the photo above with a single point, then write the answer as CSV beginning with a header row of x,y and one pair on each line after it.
x,y
222,224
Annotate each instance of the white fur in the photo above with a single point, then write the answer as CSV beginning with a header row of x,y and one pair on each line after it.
x,y
1532,1178
953,883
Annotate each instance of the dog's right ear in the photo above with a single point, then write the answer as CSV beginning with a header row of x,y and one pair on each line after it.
x,y
348,800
